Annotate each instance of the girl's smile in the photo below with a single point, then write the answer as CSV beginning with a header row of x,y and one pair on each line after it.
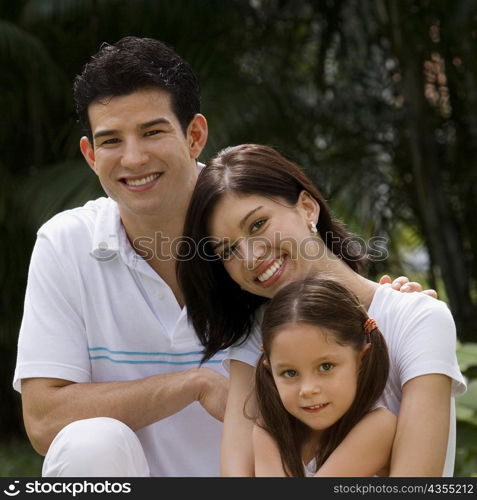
x,y
315,377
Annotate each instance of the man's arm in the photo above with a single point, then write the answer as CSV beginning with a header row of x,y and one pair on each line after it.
x,y
420,445
50,404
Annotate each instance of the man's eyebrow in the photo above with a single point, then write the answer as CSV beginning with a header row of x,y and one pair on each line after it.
x,y
102,133
151,123
157,121
244,220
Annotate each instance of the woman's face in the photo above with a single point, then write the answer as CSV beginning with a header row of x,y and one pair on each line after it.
x,y
264,243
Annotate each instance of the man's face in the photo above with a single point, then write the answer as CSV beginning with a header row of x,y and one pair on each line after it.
x,y
143,159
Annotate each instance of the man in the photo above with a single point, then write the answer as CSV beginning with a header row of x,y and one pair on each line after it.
x,y
108,365
104,332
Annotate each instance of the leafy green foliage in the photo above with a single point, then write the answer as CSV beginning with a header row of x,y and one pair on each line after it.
x,y
466,412
18,459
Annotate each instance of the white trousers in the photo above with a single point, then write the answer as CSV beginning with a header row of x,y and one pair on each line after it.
x,y
96,447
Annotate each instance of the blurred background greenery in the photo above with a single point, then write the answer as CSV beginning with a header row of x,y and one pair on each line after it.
x,y
377,99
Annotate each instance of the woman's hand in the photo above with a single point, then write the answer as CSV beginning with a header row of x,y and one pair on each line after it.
x,y
404,285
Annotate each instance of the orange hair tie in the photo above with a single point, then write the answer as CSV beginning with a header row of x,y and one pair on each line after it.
x,y
369,325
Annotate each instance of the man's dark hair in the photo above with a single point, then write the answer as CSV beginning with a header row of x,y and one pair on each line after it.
x,y
132,64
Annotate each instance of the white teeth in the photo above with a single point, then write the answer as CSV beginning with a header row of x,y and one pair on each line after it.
x,y
140,182
316,406
270,271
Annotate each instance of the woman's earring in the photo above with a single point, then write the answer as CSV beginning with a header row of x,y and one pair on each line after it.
x,y
313,227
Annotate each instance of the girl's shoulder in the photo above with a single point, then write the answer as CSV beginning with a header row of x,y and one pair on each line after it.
x,y
383,420
366,448
381,415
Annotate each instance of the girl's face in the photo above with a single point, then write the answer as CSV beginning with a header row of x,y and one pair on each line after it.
x,y
264,243
315,377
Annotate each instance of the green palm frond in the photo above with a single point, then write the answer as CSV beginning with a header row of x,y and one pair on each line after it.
x,y
58,187
33,93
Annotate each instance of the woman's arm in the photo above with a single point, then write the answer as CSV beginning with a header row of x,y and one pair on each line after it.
x,y
268,462
423,351
237,448
420,444
365,450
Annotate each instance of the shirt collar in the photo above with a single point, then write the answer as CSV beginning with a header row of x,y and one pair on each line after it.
x,y
109,238
108,231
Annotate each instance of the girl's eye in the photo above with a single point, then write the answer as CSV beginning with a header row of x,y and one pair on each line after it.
x,y
257,225
289,373
326,367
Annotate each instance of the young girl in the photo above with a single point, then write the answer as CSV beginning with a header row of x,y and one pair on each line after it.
x,y
317,383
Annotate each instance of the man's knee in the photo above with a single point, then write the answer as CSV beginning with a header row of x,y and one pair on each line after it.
x,y
96,447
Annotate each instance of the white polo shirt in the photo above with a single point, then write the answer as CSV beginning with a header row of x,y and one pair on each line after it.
x,y
95,311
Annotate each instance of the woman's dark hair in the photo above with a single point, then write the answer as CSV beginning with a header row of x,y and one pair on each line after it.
x,y
220,311
327,304
133,64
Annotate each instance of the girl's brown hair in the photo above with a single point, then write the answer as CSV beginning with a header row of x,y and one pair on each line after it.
x,y
327,304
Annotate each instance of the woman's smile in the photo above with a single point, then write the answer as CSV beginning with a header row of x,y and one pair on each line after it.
x,y
270,272
259,241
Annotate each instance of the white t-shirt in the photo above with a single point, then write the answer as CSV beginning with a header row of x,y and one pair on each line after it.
x,y
95,311
421,339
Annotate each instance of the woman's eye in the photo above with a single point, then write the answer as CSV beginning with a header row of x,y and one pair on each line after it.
x,y
326,367
257,225
289,373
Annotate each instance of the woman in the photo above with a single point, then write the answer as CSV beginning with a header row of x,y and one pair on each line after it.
x,y
259,223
